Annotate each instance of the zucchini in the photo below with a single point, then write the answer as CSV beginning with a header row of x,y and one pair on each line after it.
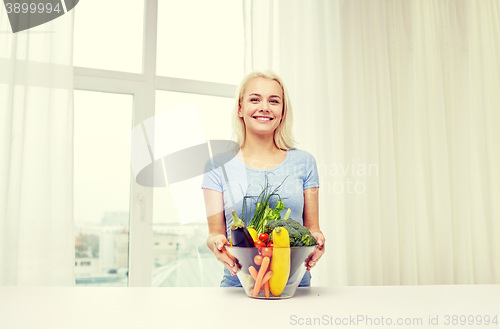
x,y
280,262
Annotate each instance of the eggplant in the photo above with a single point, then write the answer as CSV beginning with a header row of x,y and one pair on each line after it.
x,y
239,233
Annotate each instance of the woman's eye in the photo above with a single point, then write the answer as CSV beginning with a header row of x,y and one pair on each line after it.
x,y
274,100
254,99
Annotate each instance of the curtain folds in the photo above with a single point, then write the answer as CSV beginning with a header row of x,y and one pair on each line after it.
x,y
399,103
36,148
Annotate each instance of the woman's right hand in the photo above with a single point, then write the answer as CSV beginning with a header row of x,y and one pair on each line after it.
x,y
225,256
216,239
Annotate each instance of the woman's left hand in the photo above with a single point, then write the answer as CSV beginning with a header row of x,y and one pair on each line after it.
x,y
313,258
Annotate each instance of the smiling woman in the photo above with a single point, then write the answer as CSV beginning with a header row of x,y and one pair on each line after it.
x,y
262,126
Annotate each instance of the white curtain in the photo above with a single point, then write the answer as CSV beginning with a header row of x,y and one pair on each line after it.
x,y
36,150
399,102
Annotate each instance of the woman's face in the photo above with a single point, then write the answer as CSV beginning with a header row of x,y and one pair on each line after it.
x,y
262,106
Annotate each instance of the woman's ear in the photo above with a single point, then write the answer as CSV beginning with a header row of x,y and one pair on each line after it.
x,y
239,111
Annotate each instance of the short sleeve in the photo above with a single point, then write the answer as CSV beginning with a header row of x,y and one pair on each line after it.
x,y
312,178
211,177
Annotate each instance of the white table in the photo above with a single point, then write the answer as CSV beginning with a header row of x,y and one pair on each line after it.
x,y
89,308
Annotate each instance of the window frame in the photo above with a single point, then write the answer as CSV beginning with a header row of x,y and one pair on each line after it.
x,y
143,88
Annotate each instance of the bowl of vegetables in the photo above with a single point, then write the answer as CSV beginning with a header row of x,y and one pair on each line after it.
x,y
271,255
271,272
270,252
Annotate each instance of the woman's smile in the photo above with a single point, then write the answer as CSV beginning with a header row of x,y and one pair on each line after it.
x,y
262,119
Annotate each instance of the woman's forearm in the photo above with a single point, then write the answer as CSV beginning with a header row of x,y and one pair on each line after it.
x,y
216,220
311,210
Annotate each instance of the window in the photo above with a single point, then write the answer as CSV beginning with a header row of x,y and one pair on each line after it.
x,y
101,186
154,56
191,263
103,43
208,41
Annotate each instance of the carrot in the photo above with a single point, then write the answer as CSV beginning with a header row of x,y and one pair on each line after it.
x,y
266,288
260,290
253,272
260,275
266,278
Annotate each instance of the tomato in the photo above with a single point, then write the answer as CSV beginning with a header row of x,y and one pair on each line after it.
x,y
270,244
266,252
259,244
264,237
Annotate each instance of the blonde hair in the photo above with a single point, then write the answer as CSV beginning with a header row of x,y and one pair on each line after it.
x,y
283,134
